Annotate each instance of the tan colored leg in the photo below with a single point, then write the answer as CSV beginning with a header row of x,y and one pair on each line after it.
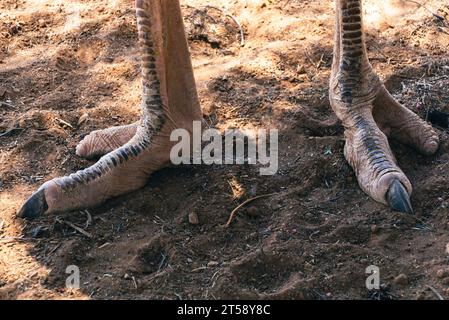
x,y
369,113
169,101
100,142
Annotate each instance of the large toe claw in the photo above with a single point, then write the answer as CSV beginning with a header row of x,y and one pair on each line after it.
x,y
398,197
35,206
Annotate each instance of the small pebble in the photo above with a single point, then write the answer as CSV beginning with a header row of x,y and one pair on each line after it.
x,y
193,218
441,273
420,296
401,280
41,23
83,119
212,264
301,69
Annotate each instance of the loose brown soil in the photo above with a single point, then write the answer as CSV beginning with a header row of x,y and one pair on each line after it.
x,y
65,60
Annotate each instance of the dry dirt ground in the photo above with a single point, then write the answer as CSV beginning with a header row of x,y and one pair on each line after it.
x,y
70,67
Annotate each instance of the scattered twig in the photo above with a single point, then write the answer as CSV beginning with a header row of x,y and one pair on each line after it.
x,y
425,225
437,16
56,247
198,269
65,123
234,212
7,132
242,32
16,239
89,219
7,104
73,226
178,296
313,234
104,245
318,65
65,160
440,297
161,264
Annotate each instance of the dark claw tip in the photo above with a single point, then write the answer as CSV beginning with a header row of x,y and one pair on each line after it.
x,y
398,198
35,206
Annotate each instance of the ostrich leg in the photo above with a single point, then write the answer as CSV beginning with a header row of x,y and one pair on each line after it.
x,y
169,101
100,142
369,114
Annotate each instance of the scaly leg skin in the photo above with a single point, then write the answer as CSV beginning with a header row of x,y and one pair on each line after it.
x,y
169,101
369,114
101,142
